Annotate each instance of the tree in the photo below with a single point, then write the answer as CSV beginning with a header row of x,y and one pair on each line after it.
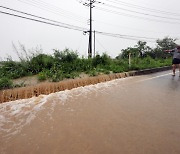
x,y
164,44
139,50
142,48
125,53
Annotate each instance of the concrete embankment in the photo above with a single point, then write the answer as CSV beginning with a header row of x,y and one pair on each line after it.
x,y
47,88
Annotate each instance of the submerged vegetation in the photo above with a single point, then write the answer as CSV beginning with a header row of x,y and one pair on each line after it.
x,y
67,63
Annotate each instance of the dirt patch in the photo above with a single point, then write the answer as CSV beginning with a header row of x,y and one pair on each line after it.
x,y
29,80
33,80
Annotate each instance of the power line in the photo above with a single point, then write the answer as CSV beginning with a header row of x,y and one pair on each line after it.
x,y
116,2
146,14
42,4
53,9
142,8
130,28
128,37
38,17
68,26
40,21
101,44
133,16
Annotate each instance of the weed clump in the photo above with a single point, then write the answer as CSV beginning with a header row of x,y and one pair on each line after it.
x,y
5,83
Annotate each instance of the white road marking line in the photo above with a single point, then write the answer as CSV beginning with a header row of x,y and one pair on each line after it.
x,y
154,77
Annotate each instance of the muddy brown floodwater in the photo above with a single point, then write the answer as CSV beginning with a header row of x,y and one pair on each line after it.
x,y
136,115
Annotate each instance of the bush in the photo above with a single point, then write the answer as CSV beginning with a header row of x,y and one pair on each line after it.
x,y
40,62
58,76
83,65
149,62
101,60
5,83
42,76
65,56
13,70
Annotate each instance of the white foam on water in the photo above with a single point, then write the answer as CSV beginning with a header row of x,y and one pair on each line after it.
x,y
17,114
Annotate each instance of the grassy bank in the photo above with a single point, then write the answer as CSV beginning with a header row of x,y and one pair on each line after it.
x,y
67,64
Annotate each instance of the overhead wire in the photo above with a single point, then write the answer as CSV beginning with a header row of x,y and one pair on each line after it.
x,y
141,13
43,4
130,28
133,16
128,37
38,17
53,9
48,4
106,23
101,44
77,28
45,22
69,26
142,7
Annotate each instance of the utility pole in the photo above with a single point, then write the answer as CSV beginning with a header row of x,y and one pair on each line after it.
x,y
90,32
94,43
90,5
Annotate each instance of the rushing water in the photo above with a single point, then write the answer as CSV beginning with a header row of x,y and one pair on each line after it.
x,y
134,115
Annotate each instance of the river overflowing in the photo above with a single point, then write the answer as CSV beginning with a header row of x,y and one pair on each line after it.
x,y
120,116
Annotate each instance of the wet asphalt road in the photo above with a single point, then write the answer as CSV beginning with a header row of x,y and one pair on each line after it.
x,y
135,115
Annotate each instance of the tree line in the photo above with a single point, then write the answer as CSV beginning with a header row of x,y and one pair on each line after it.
x,y
143,50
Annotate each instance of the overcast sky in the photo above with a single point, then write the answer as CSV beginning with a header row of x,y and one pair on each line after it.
x,y
150,19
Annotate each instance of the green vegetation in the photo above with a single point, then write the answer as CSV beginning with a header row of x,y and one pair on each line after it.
x,y
5,83
67,63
